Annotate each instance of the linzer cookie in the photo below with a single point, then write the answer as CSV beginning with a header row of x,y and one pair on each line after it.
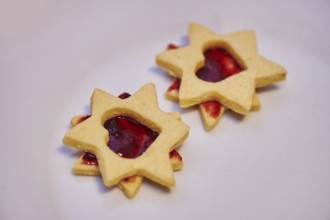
x,y
87,163
218,72
127,138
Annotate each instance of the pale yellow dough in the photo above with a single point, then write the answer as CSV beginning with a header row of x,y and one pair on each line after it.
x,y
236,92
154,164
131,186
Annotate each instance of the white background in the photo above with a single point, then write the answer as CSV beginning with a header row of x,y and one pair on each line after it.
x,y
271,164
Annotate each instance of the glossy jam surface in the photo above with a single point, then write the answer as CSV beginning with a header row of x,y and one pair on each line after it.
x,y
172,46
127,137
175,85
89,159
213,108
124,95
219,65
175,154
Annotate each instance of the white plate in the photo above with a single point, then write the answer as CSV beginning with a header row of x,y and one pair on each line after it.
x,y
273,164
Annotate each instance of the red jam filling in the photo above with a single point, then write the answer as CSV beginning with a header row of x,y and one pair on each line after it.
x,y
175,85
213,108
175,154
83,118
124,95
128,137
219,65
89,159
172,46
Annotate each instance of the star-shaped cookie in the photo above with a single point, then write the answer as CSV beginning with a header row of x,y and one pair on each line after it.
x,y
87,163
154,164
235,92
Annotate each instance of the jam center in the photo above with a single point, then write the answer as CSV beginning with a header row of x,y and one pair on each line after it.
x,y
127,137
89,159
213,108
219,65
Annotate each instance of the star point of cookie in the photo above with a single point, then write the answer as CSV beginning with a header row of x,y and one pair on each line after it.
x,y
235,92
210,111
129,185
154,163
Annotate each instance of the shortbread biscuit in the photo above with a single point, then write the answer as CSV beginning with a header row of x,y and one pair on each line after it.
x,y
87,163
154,163
236,91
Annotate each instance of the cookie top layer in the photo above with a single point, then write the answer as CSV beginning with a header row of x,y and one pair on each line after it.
x,y
87,163
154,163
235,92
